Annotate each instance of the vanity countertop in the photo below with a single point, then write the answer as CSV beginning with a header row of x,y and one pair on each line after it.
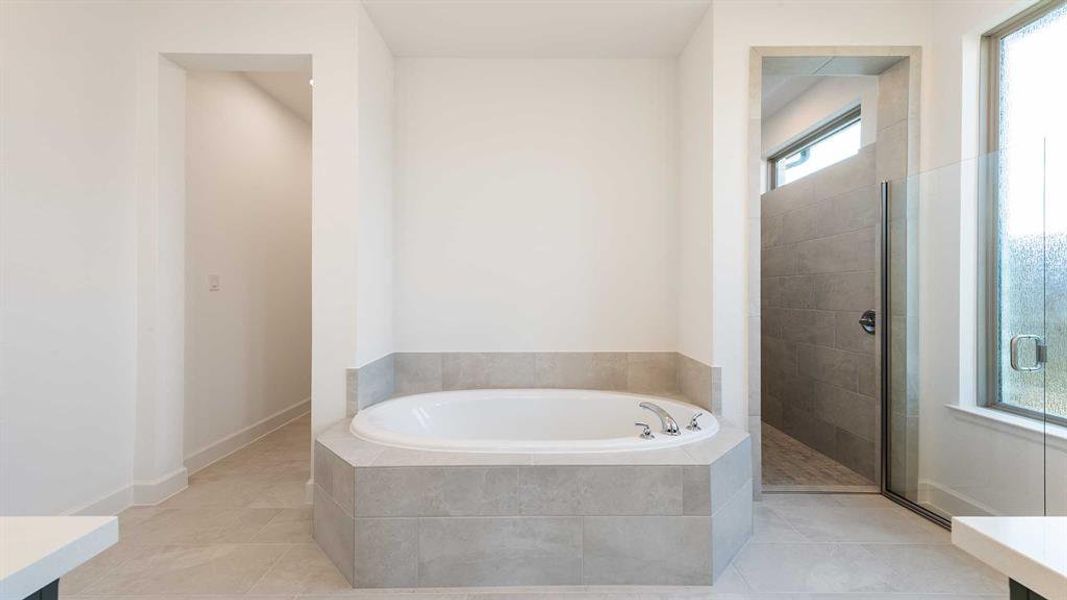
x,y
1030,550
35,551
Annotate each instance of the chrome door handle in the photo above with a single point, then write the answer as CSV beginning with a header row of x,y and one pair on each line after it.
x,y
1042,352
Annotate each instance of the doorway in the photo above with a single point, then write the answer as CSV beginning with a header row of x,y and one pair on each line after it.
x,y
832,128
247,257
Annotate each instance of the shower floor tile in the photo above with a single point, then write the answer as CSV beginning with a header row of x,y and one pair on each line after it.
x,y
789,465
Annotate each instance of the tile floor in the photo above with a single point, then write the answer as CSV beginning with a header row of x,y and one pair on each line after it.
x,y
241,530
789,464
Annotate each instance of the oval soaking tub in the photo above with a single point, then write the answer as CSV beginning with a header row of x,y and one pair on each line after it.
x,y
526,421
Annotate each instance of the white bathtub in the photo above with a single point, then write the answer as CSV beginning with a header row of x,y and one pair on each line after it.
x,y
526,421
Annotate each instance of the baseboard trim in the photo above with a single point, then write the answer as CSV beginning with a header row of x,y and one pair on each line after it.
x,y
108,505
949,501
232,443
150,493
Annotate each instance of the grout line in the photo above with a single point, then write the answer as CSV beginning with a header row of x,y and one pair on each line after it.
x,y
270,568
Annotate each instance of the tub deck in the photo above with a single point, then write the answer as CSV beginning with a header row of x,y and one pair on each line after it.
x,y
395,517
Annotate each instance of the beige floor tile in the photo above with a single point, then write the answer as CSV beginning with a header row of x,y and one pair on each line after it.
x,y
200,526
220,493
209,569
769,526
847,524
303,569
809,567
78,580
387,595
289,526
283,494
937,568
253,500
177,597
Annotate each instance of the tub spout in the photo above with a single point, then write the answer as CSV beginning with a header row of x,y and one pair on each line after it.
x,y
670,427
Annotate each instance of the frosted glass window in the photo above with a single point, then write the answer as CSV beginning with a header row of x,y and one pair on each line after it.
x,y
1030,215
818,151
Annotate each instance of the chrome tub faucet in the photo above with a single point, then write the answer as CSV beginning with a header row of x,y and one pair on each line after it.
x,y
670,427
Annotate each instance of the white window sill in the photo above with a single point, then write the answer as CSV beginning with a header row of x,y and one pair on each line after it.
x,y
1025,427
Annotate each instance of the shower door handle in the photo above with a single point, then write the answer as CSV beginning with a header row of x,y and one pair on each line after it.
x,y
1042,352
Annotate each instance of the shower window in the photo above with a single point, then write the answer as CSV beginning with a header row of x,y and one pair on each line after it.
x,y
831,143
1026,217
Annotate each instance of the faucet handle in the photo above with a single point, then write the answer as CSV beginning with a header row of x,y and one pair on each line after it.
x,y
646,434
693,425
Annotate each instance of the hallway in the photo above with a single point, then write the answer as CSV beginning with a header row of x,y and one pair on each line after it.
x,y
241,529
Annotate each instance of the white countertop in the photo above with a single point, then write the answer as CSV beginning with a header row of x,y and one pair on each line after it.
x,y
35,551
1030,550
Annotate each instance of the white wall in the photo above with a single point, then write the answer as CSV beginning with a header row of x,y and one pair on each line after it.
x,y
374,312
965,456
535,205
67,243
248,221
694,194
828,98
83,269
77,245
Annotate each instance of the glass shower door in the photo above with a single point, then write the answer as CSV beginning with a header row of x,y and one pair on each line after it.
x,y
1019,321
995,446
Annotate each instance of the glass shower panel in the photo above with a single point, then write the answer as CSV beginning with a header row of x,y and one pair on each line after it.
x,y
899,346
1056,325
993,447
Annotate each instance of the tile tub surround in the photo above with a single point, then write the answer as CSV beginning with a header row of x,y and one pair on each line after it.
x,y
663,373
391,517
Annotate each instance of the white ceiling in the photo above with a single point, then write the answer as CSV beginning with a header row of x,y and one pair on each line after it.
x,y
289,88
537,28
780,90
787,77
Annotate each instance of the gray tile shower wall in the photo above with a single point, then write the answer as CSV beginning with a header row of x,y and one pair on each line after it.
x,y
819,274
665,373
892,165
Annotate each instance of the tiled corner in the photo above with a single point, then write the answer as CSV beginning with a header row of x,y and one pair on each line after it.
x,y
334,477
701,384
375,381
334,532
731,527
729,473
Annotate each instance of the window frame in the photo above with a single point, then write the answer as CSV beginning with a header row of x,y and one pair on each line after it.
x,y
850,116
989,131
